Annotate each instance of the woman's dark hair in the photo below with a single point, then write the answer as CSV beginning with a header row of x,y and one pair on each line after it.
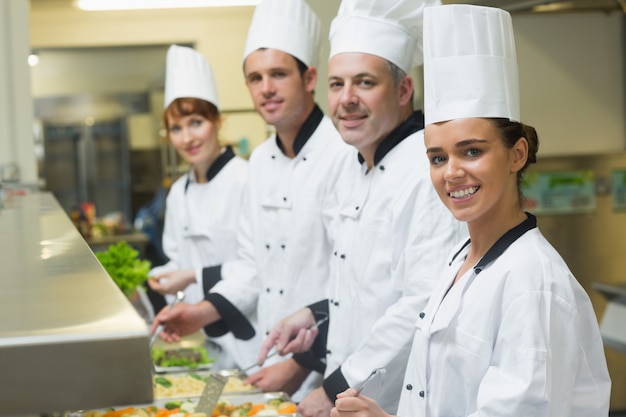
x,y
186,106
511,132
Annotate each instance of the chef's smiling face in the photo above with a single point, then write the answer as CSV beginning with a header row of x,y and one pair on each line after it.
x,y
364,103
277,87
474,173
195,138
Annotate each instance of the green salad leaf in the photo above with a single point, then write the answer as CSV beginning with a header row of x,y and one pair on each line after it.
x,y
170,405
122,263
186,357
161,380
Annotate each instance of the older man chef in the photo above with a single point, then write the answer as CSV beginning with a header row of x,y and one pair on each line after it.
x,y
392,231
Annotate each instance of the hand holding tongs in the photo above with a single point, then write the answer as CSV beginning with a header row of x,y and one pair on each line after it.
x,y
274,351
378,371
180,296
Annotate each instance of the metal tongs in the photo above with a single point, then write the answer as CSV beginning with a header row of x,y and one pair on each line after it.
x,y
378,371
274,351
180,296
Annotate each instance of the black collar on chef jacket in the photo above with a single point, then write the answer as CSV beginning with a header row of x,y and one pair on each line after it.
x,y
306,131
216,166
412,124
501,244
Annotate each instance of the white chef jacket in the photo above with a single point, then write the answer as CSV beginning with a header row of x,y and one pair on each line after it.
x,y
283,256
394,234
515,336
201,223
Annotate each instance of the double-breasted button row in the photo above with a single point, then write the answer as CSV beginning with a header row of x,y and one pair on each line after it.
x,y
341,255
268,246
334,302
409,387
280,291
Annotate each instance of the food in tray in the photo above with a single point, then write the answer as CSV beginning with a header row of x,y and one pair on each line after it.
x,y
224,408
192,384
273,407
191,357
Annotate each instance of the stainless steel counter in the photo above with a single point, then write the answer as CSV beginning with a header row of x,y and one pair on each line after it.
x,y
69,338
612,323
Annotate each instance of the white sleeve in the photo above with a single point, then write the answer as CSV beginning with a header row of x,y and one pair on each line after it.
x,y
239,283
537,360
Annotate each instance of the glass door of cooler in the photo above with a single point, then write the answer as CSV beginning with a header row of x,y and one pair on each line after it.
x,y
88,163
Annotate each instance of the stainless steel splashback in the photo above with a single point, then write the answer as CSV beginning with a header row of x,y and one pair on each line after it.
x,y
69,338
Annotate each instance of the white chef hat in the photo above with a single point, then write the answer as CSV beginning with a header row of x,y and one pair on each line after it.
x,y
470,65
188,74
290,26
390,30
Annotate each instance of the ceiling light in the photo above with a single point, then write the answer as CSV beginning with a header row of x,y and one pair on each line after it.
x,y
33,59
158,4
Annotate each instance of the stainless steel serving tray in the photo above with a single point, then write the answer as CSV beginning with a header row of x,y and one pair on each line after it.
x,y
255,397
177,369
190,342
235,399
235,373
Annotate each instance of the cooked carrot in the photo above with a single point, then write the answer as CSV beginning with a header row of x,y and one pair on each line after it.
x,y
287,408
164,412
255,409
119,413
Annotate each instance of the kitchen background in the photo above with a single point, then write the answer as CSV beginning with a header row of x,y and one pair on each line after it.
x,y
97,93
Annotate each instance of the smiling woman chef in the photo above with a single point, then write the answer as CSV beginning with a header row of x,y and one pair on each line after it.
x,y
509,331
202,206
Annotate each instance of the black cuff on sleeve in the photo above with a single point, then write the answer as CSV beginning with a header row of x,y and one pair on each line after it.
x,y
335,384
211,275
232,320
309,361
315,358
320,311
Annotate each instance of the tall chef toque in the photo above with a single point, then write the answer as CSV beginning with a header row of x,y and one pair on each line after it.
x,y
390,30
470,66
289,26
188,74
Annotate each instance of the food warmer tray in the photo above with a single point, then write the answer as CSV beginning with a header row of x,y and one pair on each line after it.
x,y
236,399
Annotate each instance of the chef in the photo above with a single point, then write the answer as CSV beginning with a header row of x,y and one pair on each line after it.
x,y
508,331
202,206
392,231
283,252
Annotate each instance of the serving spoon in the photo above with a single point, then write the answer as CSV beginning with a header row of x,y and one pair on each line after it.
x,y
378,371
180,296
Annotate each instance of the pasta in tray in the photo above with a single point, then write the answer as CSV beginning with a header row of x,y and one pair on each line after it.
x,y
235,384
191,385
